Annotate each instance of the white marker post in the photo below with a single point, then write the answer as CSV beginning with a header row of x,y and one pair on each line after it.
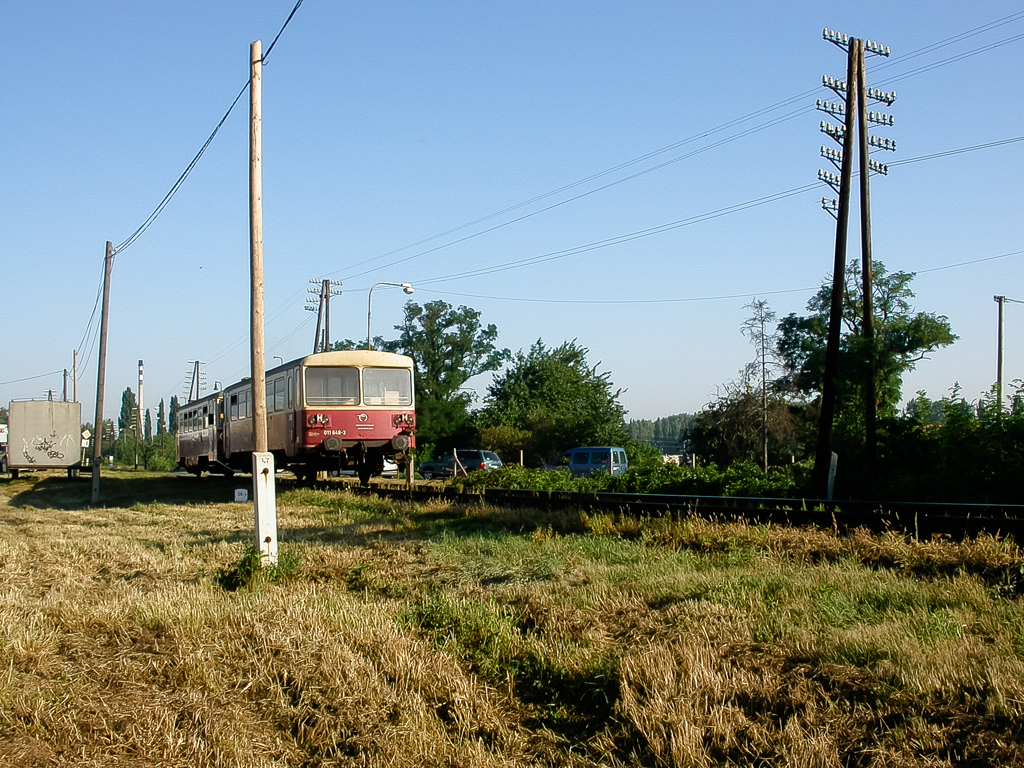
x,y
265,506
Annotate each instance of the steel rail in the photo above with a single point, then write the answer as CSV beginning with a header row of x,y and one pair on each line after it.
x,y
922,520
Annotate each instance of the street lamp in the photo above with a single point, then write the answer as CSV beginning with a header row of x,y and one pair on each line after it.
x,y
406,287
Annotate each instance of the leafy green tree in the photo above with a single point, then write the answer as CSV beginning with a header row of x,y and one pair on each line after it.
x,y
126,419
741,424
161,421
172,415
349,344
160,457
902,338
954,450
148,426
510,443
3,415
450,346
561,399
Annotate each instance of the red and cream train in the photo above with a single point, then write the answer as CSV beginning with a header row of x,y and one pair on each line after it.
x,y
330,411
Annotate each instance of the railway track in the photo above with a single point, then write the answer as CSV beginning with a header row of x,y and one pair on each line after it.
x,y
921,520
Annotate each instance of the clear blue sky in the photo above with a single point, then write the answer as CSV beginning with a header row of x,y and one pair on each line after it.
x,y
386,124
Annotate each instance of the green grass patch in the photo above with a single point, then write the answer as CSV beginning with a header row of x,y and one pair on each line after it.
x,y
252,569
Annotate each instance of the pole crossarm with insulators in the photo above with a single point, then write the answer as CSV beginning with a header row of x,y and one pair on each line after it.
x,y
322,306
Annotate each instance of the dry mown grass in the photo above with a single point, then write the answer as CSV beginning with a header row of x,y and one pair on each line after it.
x,y
437,635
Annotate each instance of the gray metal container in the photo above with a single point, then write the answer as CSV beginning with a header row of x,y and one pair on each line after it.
x,y
44,434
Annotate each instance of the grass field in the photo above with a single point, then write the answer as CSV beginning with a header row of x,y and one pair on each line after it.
x,y
396,634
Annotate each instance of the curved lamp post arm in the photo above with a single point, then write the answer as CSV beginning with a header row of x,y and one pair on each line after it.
x,y
406,287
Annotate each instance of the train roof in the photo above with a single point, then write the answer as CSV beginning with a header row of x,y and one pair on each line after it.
x,y
348,357
354,357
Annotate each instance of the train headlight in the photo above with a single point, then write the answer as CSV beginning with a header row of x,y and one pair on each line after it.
x,y
318,420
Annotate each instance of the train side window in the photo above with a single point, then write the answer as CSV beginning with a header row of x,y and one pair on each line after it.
x,y
244,410
234,407
291,393
279,393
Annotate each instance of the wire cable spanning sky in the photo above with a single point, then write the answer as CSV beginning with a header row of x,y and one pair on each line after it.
x,y
382,124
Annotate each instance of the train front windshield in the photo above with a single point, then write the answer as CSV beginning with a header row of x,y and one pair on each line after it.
x,y
332,386
387,386
340,386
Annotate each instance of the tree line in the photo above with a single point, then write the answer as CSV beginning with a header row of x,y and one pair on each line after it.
x,y
949,449
540,402
758,434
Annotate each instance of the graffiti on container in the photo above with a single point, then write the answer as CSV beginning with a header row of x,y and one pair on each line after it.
x,y
50,446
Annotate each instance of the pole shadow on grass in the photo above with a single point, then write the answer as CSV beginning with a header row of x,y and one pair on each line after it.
x,y
58,492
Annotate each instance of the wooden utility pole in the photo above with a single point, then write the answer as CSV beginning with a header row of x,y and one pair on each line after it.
x,y
263,477
138,418
868,322
319,320
259,384
97,447
823,455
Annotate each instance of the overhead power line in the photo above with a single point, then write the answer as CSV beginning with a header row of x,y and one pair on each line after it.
x,y
695,219
30,378
202,150
701,135
955,151
690,299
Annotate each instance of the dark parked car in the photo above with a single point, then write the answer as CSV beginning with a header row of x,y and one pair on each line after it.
x,y
469,459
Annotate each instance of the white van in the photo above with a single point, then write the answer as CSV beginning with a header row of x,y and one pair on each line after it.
x,y
582,462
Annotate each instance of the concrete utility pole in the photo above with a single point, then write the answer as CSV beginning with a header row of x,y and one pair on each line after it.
x,y
1001,300
97,448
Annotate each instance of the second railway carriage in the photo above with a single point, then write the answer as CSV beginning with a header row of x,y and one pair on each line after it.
x,y
329,411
